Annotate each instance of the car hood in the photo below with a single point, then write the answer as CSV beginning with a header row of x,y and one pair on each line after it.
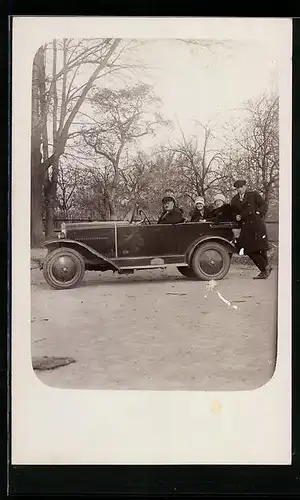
x,y
95,224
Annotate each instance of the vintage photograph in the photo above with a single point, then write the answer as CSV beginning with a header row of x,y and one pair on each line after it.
x,y
155,180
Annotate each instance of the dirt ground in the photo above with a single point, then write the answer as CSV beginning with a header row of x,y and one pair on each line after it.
x,y
156,330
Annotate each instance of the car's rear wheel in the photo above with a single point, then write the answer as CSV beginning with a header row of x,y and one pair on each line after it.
x,y
64,268
187,272
211,261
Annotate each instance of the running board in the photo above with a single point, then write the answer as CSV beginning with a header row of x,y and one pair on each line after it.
x,y
161,266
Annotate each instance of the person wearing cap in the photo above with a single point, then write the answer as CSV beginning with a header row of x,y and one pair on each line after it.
x,y
199,213
222,211
171,214
171,192
249,209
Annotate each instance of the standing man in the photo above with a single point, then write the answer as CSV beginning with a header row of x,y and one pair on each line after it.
x,y
170,214
250,209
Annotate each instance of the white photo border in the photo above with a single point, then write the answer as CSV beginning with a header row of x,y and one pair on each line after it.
x,y
77,427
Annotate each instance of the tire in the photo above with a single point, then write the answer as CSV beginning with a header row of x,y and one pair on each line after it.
x,y
57,264
211,261
187,272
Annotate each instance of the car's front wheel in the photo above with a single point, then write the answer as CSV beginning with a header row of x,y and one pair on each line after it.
x,y
211,261
64,268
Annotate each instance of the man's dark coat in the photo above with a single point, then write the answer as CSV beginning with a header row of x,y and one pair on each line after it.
x,y
175,216
222,214
252,208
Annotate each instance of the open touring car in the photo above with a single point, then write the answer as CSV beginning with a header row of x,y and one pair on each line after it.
x,y
200,250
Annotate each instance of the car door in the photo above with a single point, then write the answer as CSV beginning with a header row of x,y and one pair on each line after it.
x,y
147,241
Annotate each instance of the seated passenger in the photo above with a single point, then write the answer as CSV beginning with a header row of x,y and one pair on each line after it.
x,y
222,211
199,213
171,192
171,214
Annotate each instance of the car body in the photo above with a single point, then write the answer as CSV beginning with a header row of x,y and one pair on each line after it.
x,y
200,250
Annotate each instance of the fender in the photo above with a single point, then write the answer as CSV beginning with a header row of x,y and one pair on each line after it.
x,y
217,239
51,244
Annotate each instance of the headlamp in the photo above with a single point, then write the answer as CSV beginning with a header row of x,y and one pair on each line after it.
x,y
62,233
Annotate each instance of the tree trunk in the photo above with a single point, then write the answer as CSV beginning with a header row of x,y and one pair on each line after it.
x,y
114,187
37,235
50,192
50,189
51,182
36,138
110,210
49,220
267,196
106,207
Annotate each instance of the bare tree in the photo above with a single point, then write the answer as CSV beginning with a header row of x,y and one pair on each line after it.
x,y
254,152
66,100
125,119
90,197
199,166
69,179
146,176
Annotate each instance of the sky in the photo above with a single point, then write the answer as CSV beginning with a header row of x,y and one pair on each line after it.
x,y
204,84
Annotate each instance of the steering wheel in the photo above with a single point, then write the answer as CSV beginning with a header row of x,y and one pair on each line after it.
x,y
145,218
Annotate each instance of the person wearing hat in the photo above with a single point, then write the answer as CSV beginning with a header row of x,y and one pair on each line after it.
x,y
222,211
171,192
171,214
249,209
199,213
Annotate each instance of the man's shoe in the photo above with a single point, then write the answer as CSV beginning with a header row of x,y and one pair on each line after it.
x,y
269,269
261,276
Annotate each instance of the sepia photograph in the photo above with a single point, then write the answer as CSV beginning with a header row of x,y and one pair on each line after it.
x,y
151,240
154,214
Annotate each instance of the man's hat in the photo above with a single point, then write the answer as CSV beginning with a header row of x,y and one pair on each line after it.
x,y
239,183
168,198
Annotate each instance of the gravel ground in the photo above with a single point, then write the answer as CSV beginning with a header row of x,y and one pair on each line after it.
x,y
156,330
